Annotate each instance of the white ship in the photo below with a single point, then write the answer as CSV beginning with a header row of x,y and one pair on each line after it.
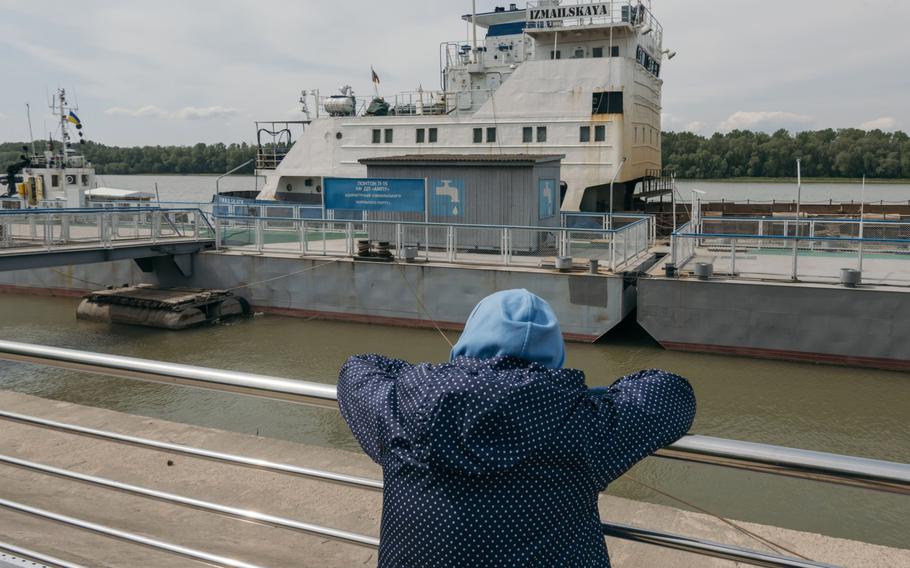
x,y
579,79
53,174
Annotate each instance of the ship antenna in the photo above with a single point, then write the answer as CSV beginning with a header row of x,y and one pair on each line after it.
x,y
31,136
474,24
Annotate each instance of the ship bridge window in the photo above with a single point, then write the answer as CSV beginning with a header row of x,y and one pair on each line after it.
x,y
478,135
434,135
55,180
541,133
527,135
585,134
85,179
389,135
491,135
607,103
579,53
421,135
377,136
555,54
599,51
600,133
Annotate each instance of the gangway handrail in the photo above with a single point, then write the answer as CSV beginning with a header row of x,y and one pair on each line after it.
x,y
847,470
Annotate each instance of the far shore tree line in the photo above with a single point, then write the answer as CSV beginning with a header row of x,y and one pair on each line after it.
x,y
848,153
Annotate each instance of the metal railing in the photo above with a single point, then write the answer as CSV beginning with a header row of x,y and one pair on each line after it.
x,y
619,12
817,466
498,245
50,229
814,249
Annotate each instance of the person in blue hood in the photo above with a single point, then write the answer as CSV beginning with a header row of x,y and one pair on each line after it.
x,y
497,457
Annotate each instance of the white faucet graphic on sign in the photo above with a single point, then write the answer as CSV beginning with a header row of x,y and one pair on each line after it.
x,y
446,190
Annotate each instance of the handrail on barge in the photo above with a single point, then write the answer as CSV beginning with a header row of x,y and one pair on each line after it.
x,y
817,466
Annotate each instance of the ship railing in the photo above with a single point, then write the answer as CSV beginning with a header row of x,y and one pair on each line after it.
x,y
820,250
854,472
501,245
630,13
52,229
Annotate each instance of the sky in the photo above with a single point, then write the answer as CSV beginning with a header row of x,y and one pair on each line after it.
x,y
181,72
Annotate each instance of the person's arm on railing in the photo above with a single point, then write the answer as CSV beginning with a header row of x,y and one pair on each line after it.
x,y
366,394
634,418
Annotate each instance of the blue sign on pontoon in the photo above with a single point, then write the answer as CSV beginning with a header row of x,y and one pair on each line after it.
x,y
372,194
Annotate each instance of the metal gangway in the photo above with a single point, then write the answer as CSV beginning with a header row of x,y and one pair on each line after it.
x,y
765,459
41,238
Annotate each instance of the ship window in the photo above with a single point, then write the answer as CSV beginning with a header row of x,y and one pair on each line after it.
x,y
478,135
607,103
585,135
388,135
85,179
491,135
600,133
421,135
579,53
308,182
377,136
597,52
55,181
541,133
556,54
527,135
434,135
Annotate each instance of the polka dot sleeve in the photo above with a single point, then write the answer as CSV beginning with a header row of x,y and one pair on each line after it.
x,y
637,416
366,395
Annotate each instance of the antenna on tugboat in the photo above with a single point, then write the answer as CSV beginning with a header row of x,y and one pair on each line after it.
x,y
31,136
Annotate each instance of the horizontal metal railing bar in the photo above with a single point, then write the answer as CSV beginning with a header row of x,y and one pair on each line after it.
x,y
433,225
33,556
707,548
807,220
161,546
232,459
739,236
97,211
173,374
732,452
198,504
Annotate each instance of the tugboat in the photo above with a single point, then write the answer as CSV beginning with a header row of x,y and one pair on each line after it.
x,y
575,78
58,177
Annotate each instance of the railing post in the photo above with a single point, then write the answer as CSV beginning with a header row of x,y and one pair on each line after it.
x,y
48,239
259,235
303,236
733,258
450,242
398,244
196,215
795,274
613,251
349,228
218,233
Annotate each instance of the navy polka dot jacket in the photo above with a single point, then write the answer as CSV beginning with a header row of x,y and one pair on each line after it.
x,y
499,462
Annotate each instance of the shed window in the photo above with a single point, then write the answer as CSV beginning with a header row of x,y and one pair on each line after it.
x,y
434,135
389,133
600,133
527,135
607,103
585,134
421,135
478,135
377,136
541,133
491,135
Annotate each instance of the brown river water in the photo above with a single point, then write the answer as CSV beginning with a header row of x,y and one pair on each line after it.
x,y
833,409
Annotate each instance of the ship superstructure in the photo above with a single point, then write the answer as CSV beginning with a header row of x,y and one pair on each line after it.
x,y
577,79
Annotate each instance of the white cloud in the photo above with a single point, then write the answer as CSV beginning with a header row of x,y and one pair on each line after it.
x,y
186,113
695,127
765,120
883,123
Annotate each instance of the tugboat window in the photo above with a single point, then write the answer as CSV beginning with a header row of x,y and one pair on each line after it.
x,y
491,135
541,133
600,133
607,103
585,135
377,136
527,135
388,135
421,135
478,135
434,135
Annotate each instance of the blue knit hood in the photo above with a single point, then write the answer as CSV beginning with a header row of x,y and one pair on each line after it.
x,y
513,323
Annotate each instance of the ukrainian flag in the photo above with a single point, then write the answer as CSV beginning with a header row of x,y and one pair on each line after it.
x,y
74,119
